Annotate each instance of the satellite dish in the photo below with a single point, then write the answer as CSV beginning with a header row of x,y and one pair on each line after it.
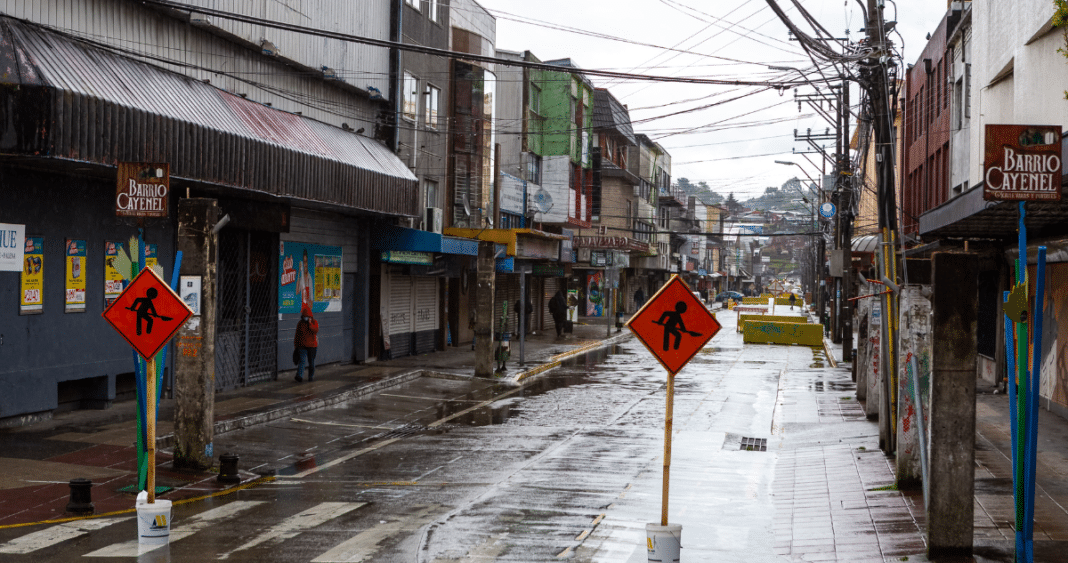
x,y
543,200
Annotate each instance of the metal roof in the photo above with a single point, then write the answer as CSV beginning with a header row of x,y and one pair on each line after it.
x,y
80,102
608,113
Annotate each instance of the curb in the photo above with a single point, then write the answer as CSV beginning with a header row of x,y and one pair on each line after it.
x,y
555,361
229,425
830,355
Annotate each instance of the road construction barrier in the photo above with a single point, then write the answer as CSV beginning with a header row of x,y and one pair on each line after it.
x,y
754,300
743,317
770,332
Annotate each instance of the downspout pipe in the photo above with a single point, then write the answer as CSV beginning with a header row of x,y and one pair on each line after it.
x,y
397,73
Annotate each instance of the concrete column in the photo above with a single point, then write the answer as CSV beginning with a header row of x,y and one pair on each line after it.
x,y
873,368
361,311
953,374
194,359
860,363
484,292
915,341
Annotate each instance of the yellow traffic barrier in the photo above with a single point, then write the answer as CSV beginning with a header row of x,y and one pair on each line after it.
x,y
754,300
769,332
743,317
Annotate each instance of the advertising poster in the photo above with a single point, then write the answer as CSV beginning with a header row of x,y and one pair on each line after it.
x,y
113,284
75,259
151,255
308,273
12,246
31,301
572,305
594,295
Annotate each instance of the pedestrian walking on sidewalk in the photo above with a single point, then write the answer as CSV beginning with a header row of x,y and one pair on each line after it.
x,y
793,299
306,343
639,298
558,309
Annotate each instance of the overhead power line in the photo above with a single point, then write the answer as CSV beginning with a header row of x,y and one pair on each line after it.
x,y
459,55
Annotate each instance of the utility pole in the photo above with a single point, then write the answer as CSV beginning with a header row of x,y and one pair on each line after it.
x,y
845,226
878,89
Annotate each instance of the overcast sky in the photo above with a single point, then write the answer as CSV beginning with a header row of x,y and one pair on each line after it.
x,y
724,39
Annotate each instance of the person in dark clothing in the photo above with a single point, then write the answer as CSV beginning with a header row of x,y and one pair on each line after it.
x,y
793,300
306,342
639,298
530,313
558,309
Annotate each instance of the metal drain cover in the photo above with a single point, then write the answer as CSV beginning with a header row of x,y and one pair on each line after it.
x,y
754,444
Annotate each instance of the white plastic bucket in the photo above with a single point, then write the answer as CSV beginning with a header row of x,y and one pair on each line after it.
x,y
663,542
153,522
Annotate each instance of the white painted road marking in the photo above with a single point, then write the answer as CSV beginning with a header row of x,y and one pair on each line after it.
x,y
295,525
363,545
55,534
192,525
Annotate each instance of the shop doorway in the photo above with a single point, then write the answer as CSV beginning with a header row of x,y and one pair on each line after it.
x,y
246,322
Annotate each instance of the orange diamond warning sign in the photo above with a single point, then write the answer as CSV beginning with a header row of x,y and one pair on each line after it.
x,y
674,325
147,313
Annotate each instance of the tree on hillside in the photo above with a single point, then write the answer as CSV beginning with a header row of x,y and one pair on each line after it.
x,y
732,204
685,185
708,196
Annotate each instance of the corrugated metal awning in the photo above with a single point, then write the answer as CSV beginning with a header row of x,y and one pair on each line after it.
x,y
64,99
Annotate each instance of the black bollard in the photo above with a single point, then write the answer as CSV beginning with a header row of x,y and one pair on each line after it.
x,y
81,497
228,468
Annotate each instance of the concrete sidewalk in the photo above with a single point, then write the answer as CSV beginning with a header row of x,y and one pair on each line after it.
x,y
38,461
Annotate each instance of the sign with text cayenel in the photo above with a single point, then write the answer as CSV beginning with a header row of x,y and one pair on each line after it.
x,y
674,325
142,189
1022,163
147,313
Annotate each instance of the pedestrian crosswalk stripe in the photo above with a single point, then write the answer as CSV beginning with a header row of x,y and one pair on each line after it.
x,y
364,545
192,525
55,534
295,525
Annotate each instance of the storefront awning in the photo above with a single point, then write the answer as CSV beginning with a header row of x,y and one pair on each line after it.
x,y
394,238
66,100
531,248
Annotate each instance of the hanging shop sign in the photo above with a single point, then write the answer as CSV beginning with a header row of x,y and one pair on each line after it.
x,y
612,243
407,257
1022,163
536,248
75,286
142,189
12,247
309,274
31,299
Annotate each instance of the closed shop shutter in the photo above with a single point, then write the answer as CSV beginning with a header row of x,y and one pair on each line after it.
x,y
426,304
550,285
401,323
507,292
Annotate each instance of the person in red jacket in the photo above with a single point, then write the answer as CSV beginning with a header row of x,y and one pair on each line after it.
x,y
306,342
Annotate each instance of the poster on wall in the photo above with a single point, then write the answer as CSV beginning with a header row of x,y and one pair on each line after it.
x,y
572,305
594,295
31,300
75,287
151,255
1053,386
308,273
113,283
12,246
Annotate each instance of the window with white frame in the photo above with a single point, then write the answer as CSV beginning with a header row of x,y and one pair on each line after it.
x,y
413,3
433,15
411,96
433,94
431,193
535,99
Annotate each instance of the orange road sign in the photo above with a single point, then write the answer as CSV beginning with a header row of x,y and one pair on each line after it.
x,y
674,325
147,313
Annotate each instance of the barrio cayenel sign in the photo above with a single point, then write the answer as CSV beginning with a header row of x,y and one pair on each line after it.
x,y
1022,163
143,189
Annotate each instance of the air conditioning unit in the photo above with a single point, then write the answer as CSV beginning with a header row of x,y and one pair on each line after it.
x,y
434,219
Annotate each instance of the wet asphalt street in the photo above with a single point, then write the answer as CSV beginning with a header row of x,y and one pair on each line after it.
x,y
567,467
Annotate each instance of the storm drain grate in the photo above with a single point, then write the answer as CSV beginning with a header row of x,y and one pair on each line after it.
x,y
754,444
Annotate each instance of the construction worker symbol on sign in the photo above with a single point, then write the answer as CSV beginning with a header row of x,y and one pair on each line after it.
x,y
673,325
146,310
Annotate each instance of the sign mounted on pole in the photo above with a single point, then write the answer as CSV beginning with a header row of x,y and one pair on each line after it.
x,y
147,313
674,325
1022,163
